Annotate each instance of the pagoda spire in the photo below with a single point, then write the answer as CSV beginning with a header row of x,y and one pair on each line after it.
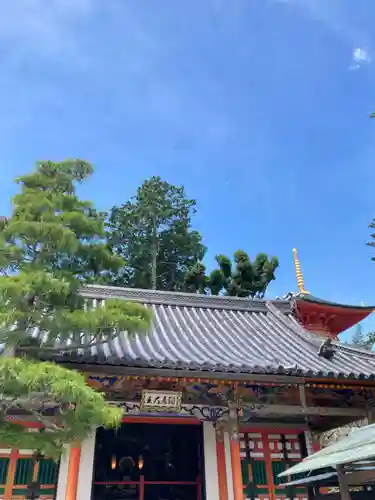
x,y
299,275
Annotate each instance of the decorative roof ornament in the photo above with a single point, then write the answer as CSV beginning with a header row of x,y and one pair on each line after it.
x,y
299,275
326,349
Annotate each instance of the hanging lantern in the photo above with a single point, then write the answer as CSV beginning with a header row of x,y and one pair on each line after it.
x,y
113,462
140,462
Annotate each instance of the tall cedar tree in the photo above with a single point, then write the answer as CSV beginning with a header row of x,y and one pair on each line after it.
x,y
241,279
152,232
358,338
49,247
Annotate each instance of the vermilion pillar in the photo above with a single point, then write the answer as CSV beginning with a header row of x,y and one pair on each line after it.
x,y
11,473
221,465
73,471
235,454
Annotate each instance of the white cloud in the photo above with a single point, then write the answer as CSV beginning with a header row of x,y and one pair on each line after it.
x,y
344,20
360,57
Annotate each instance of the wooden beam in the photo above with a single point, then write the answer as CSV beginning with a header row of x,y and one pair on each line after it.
x,y
302,395
343,484
360,477
266,410
284,410
274,426
171,373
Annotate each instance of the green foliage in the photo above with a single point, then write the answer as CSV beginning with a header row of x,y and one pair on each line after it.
x,y
358,337
196,279
361,339
241,279
152,233
41,388
51,245
52,229
369,341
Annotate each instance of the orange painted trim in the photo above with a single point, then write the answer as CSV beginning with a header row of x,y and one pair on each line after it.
x,y
236,470
11,473
73,470
36,472
221,470
161,420
338,382
268,462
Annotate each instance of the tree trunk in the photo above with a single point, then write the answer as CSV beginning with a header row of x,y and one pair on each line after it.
x,y
154,255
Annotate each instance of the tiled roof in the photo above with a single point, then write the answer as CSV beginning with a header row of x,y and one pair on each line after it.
x,y
222,334
316,300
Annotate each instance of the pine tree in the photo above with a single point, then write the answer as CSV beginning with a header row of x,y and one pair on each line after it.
x,y
242,278
358,338
153,233
52,244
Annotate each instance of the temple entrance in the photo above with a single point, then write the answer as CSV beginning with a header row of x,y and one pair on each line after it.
x,y
143,461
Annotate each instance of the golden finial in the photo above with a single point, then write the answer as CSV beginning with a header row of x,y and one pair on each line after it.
x,y
299,275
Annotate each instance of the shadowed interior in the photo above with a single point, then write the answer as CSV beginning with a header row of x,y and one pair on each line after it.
x,y
149,462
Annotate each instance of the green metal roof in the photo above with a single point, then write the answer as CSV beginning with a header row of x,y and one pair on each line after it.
x,y
312,479
359,445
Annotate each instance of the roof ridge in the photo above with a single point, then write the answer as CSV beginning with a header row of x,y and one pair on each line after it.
x,y
313,338
358,350
318,300
317,340
295,326
184,299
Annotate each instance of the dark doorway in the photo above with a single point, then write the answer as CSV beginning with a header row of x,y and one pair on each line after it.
x,y
146,461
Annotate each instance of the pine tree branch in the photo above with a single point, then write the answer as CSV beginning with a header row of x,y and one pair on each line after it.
x,y
51,243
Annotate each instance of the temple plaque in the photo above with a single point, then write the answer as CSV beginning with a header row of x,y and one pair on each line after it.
x,y
166,401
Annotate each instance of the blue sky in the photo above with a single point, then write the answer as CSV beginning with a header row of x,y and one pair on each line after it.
x,y
259,107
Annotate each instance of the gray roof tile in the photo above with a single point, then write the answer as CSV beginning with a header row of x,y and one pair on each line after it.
x,y
222,334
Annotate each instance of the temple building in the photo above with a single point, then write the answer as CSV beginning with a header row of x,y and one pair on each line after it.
x,y
220,397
